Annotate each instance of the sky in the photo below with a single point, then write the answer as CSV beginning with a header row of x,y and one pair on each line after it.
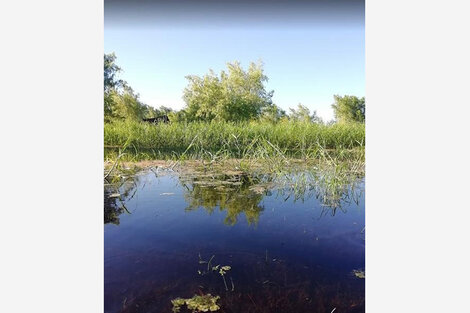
x,y
311,50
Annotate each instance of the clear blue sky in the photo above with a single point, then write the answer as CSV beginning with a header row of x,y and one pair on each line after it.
x,y
305,64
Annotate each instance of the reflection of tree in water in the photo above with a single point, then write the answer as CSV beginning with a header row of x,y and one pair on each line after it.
x,y
114,196
235,195
112,207
242,193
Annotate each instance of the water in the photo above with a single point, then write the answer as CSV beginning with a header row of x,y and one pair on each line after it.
x,y
286,255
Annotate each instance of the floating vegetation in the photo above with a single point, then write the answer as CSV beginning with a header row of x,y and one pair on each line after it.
x,y
359,273
203,303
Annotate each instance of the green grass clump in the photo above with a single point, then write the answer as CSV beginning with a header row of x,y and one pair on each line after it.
x,y
233,140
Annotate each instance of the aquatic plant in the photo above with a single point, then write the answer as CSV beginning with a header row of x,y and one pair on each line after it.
x,y
201,261
222,270
203,303
359,273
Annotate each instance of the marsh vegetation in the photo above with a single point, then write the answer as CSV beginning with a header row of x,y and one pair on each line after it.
x,y
204,140
226,115
235,205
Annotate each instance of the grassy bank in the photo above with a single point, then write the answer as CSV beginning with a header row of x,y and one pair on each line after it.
x,y
141,141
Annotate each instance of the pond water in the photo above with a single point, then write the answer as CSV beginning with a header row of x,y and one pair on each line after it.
x,y
168,235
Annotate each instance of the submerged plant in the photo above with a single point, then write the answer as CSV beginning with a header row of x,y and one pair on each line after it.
x,y
203,303
222,270
201,261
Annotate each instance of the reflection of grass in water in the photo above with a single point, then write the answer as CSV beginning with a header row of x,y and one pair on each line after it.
x,y
238,186
120,185
115,195
331,177
333,186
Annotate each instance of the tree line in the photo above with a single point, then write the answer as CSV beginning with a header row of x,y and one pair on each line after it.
x,y
233,95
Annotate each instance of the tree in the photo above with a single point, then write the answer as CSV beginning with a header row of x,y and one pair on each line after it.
x,y
302,114
349,109
163,110
110,72
155,112
177,116
235,95
272,114
126,105
110,83
120,100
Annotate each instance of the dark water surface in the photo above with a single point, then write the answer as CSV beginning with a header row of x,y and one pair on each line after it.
x,y
285,255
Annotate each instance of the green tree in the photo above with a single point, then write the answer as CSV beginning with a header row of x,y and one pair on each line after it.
x,y
120,101
126,105
177,116
111,70
155,112
164,110
349,109
235,95
272,114
302,114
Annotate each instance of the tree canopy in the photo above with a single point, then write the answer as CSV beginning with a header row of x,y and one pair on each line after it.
x,y
302,114
235,95
349,109
272,114
120,100
111,70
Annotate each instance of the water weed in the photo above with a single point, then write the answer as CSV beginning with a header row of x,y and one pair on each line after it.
x,y
203,303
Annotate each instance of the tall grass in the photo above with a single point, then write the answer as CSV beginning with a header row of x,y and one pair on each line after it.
x,y
235,140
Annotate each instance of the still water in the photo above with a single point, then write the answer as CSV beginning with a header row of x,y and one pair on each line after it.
x,y
167,236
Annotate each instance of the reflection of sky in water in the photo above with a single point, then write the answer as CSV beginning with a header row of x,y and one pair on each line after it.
x,y
151,257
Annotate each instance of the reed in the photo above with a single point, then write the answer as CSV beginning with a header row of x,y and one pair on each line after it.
x,y
202,140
